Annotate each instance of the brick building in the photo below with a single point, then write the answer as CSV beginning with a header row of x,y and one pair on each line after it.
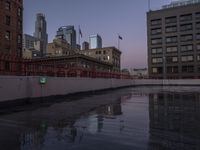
x,y
11,20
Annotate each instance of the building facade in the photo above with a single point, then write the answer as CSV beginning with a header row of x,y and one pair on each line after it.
x,y
41,33
174,40
28,41
95,41
69,34
11,30
59,47
85,45
110,55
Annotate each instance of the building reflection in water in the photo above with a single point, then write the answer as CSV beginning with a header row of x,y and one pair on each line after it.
x,y
174,121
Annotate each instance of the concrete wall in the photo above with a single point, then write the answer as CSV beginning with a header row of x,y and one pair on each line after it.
x,y
19,87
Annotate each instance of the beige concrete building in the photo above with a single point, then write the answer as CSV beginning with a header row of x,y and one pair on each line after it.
x,y
174,40
107,54
59,47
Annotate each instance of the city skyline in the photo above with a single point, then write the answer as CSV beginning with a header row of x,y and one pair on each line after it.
x,y
127,18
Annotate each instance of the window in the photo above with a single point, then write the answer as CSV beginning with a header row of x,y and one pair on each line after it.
x,y
198,57
172,69
156,22
157,60
156,41
7,35
156,50
7,5
198,47
187,58
197,16
187,17
198,25
170,20
156,31
172,39
198,36
170,29
19,39
172,49
157,70
19,12
188,69
8,20
19,24
186,48
185,38
172,59
186,27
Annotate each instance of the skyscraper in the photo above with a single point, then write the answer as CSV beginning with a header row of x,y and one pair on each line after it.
x,y
41,33
95,41
69,34
11,16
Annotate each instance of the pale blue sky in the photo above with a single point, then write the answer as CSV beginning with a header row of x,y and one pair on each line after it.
x,y
105,17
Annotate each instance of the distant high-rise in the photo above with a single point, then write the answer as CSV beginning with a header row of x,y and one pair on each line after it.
x,y
69,34
85,45
95,41
11,16
28,41
41,32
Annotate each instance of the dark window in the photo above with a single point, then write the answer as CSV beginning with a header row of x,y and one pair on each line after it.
x,y
172,39
171,29
186,27
198,36
156,50
187,17
19,24
156,31
172,59
186,48
7,66
156,22
8,20
170,20
185,38
188,69
7,35
7,5
198,25
19,12
156,41
172,69
19,39
197,16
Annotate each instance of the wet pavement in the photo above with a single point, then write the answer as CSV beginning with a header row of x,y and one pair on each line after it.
x,y
139,118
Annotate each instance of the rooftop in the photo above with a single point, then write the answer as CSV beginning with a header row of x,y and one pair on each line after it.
x,y
178,3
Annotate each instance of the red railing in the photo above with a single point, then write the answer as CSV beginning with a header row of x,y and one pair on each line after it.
x,y
13,65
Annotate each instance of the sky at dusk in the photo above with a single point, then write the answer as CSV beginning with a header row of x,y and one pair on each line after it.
x,y
105,17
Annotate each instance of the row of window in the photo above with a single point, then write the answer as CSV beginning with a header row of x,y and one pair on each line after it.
x,y
174,49
174,39
101,52
173,19
8,22
174,59
173,28
173,69
8,37
8,8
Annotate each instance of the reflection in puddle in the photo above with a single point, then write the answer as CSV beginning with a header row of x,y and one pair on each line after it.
x,y
133,118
